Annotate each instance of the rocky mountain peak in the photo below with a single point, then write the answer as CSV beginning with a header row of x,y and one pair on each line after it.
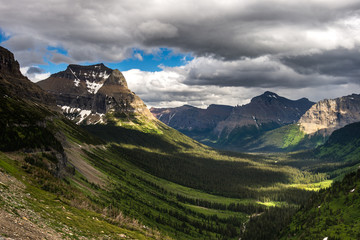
x,y
330,114
8,64
78,73
87,93
14,84
116,78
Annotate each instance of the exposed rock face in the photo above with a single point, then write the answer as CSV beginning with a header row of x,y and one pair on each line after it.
x,y
87,93
330,114
266,108
14,84
189,118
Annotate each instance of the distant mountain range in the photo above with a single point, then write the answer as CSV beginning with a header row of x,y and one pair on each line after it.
x,y
231,127
268,123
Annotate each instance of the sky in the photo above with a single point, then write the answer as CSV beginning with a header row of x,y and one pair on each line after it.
x,y
194,52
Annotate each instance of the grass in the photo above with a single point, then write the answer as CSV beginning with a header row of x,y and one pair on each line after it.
x,y
59,214
331,213
313,186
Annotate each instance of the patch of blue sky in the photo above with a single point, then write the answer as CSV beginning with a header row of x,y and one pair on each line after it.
x,y
152,62
3,36
58,50
141,60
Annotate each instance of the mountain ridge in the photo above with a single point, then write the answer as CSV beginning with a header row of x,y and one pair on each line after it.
x,y
229,127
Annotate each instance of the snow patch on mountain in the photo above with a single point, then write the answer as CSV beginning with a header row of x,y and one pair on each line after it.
x,y
93,87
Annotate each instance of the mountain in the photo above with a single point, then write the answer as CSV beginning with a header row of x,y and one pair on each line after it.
x,y
87,93
13,83
195,122
312,129
330,114
233,128
263,113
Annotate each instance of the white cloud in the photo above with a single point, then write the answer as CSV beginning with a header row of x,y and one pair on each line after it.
x,y
138,56
34,77
199,83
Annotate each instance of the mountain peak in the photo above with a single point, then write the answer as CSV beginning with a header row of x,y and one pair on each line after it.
x,y
87,93
269,94
14,84
8,64
116,78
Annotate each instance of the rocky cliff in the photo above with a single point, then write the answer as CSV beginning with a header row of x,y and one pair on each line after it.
x,y
13,83
87,93
330,114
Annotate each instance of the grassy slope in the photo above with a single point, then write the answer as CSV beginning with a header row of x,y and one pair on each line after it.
x,y
70,214
332,213
284,139
42,133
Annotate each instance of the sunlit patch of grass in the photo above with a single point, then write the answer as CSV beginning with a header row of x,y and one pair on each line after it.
x,y
313,186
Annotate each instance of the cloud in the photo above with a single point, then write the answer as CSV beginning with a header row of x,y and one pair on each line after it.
x,y
264,72
60,58
231,30
34,70
154,29
239,47
204,81
34,73
138,56
339,62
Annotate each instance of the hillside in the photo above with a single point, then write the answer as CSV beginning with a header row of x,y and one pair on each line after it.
x,y
287,138
330,214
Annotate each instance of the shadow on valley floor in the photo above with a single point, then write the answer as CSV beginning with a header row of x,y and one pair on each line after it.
x,y
129,136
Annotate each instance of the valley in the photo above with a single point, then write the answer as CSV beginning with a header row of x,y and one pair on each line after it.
x,y
91,162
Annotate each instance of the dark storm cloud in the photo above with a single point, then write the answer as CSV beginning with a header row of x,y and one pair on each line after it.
x,y
338,62
35,70
264,72
225,29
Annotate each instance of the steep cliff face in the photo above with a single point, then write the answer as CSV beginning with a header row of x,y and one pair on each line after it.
x,y
266,109
330,114
87,93
14,84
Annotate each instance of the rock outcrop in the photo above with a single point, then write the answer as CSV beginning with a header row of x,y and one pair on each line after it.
x,y
87,93
330,114
14,84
